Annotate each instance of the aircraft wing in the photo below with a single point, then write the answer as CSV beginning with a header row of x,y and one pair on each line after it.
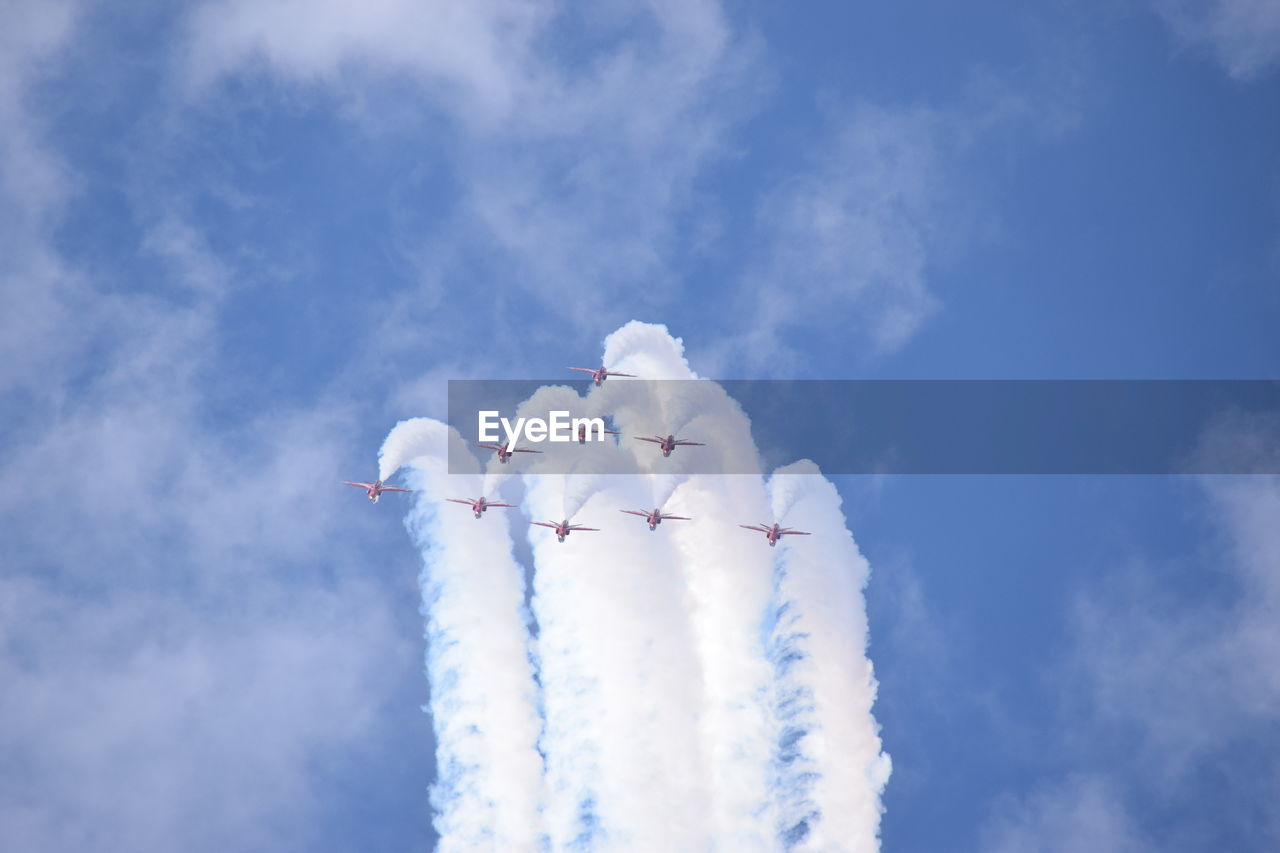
x,y
696,443
634,512
545,524
628,375
499,504
642,438
394,489
677,518
581,369
754,527
490,446
793,533
522,450
361,485
461,501
578,527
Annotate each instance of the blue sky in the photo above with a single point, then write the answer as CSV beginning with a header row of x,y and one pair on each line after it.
x,y
240,240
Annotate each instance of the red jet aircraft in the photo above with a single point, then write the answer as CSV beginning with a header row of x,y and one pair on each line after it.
x,y
478,506
562,529
670,443
503,453
600,374
773,532
582,433
654,518
375,489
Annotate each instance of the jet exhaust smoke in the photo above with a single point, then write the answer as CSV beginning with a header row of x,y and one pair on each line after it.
x,y
694,689
488,792
407,440
831,771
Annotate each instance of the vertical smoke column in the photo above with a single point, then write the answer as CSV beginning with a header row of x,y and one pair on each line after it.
x,y
484,703
621,691
727,577
830,768
728,586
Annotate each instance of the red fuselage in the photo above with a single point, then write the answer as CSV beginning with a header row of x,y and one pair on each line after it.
x,y
601,373
561,528
476,505
505,451
654,517
375,489
773,532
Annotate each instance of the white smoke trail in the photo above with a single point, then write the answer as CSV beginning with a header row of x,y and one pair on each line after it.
x,y
831,770
663,486
663,655
726,577
728,586
488,791
407,440
622,692
624,765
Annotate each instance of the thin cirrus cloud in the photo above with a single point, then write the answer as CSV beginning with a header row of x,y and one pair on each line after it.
x,y
1186,688
854,230
36,288
1188,685
1225,649
1243,36
163,689
1078,815
577,164
582,162
143,723
165,686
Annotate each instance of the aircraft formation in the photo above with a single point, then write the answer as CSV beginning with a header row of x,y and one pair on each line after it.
x,y
654,517
666,444
772,532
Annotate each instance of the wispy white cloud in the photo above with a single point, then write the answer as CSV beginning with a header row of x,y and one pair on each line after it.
x,y
852,241
575,163
1185,678
167,682
37,323
33,35
160,674
1181,686
470,59
1243,36
143,722
1079,815
852,232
